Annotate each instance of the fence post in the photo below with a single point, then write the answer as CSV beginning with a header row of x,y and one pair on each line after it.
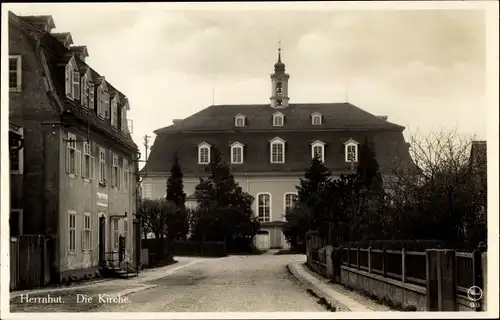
x,y
357,258
384,262
348,256
370,259
441,280
403,265
477,271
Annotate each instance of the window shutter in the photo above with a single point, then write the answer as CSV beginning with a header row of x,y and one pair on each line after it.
x,y
91,173
120,178
83,238
91,95
82,165
69,79
68,159
78,162
76,85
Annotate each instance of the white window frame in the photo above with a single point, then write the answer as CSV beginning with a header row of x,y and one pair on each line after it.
x,y
258,207
72,80
201,147
18,72
20,156
87,173
316,119
115,228
103,101
239,120
85,90
125,175
124,123
115,173
276,141
235,146
285,205
87,232
148,190
91,95
278,119
71,231
102,166
114,111
351,144
73,156
321,145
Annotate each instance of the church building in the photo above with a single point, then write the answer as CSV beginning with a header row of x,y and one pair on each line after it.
x,y
269,145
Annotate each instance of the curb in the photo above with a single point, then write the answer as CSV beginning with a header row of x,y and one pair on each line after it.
x,y
99,283
337,299
132,290
292,267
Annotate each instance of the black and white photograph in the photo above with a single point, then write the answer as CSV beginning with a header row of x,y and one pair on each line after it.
x,y
250,160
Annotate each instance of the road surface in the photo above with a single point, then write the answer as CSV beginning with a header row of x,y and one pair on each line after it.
x,y
259,283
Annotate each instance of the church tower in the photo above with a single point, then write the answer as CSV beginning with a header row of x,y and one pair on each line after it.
x,y
279,84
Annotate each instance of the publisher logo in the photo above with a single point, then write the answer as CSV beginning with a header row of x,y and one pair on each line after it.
x,y
474,293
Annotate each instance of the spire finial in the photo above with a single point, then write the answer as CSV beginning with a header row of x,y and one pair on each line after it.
x,y
279,50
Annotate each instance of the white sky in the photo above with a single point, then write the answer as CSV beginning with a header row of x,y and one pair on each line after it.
x,y
425,69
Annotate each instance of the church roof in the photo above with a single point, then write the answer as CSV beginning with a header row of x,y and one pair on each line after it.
x,y
336,116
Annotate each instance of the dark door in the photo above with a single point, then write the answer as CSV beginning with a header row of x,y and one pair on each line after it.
x,y
102,240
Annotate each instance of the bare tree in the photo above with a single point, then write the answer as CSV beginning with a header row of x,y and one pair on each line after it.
x,y
438,198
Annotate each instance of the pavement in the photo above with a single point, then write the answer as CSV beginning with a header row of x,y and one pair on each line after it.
x,y
336,295
254,283
257,283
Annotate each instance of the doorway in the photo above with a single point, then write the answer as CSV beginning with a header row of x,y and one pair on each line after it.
x,y
102,241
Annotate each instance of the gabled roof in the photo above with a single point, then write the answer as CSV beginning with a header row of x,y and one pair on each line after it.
x,y
336,116
390,148
56,56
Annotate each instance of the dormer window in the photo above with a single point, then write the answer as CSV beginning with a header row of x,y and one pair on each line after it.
x,y
91,93
124,122
103,101
114,111
204,153
351,151
85,92
239,121
237,153
316,119
72,80
318,150
278,119
277,150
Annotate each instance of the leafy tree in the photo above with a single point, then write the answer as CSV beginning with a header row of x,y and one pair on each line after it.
x,y
368,197
175,185
296,226
310,193
224,210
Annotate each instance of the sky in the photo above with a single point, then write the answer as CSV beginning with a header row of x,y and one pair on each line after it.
x,y
424,69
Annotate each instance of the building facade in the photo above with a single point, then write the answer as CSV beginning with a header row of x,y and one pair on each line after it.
x,y
76,173
269,146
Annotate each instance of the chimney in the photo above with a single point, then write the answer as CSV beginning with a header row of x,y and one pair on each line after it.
x,y
176,121
80,51
46,23
64,37
383,118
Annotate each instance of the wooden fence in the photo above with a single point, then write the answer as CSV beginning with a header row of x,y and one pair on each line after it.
x,y
29,261
410,266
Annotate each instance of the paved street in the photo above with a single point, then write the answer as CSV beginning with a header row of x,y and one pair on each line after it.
x,y
231,284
